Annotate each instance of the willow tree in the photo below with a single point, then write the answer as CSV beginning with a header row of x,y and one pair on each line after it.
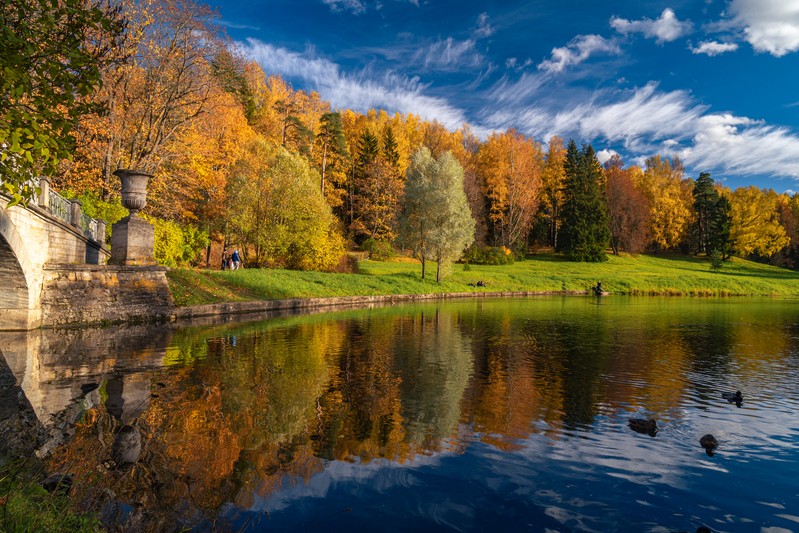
x,y
436,223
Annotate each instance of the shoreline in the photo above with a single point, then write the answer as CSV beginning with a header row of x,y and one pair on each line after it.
x,y
295,304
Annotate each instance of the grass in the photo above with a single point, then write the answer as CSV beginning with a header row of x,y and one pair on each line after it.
x,y
644,274
26,507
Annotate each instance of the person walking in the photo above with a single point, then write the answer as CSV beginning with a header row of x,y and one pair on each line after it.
x,y
235,259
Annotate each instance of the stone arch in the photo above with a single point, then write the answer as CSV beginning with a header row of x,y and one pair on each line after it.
x,y
15,275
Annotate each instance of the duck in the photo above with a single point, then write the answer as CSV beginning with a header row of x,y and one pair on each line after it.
x,y
708,442
735,397
644,425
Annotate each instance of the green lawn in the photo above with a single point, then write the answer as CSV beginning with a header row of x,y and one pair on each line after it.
x,y
644,274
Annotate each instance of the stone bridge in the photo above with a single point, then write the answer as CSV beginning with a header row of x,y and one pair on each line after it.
x,y
49,234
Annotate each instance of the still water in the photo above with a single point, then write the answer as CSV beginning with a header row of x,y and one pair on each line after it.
x,y
499,415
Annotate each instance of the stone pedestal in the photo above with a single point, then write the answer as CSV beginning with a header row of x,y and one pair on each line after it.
x,y
132,241
133,238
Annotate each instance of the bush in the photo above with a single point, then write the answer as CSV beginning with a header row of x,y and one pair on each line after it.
x,y
489,255
378,250
716,260
92,206
176,245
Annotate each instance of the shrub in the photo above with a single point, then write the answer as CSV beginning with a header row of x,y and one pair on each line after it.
x,y
176,245
489,255
716,260
378,250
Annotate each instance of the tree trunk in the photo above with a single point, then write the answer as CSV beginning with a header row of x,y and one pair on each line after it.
x,y
438,271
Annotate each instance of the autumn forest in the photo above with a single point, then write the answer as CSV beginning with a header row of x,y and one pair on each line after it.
x,y
241,158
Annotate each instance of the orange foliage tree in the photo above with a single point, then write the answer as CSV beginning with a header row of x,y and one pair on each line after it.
x,y
510,165
628,208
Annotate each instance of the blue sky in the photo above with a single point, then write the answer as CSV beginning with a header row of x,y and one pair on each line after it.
x,y
715,82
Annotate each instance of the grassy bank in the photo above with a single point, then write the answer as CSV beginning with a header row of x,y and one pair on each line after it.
x,y
26,507
663,275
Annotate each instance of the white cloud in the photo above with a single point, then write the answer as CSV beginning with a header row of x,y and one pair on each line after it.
x,y
356,6
603,156
508,92
665,29
484,28
236,26
647,121
578,50
769,25
357,92
449,54
647,114
742,146
714,48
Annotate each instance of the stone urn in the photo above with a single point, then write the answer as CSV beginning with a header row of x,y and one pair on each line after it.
x,y
133,238
134,189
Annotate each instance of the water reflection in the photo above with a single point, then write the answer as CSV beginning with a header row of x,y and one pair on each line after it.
x,y
465,415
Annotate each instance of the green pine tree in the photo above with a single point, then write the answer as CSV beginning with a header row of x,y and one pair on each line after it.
x,y
721,237
585,233
705,203
390,149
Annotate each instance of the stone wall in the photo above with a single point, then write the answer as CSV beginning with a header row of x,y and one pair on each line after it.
x,y
30,238
94,294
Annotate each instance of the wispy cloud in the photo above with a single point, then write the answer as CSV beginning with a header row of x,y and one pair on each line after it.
x,y
509,92
391,92
647,121
236,26
578,50
357,7
484,28
769,25
714,48
645,114
449,54
664,29
742,146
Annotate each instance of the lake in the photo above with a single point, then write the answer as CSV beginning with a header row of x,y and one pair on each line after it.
x,y
504,414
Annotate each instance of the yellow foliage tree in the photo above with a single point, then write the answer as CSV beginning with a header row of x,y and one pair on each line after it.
x,y
552,179
670,200
278,213
756,227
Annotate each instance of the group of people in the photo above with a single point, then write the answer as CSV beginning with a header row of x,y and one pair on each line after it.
x,y
232,261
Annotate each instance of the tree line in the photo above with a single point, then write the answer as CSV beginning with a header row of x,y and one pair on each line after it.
x,y
241,157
